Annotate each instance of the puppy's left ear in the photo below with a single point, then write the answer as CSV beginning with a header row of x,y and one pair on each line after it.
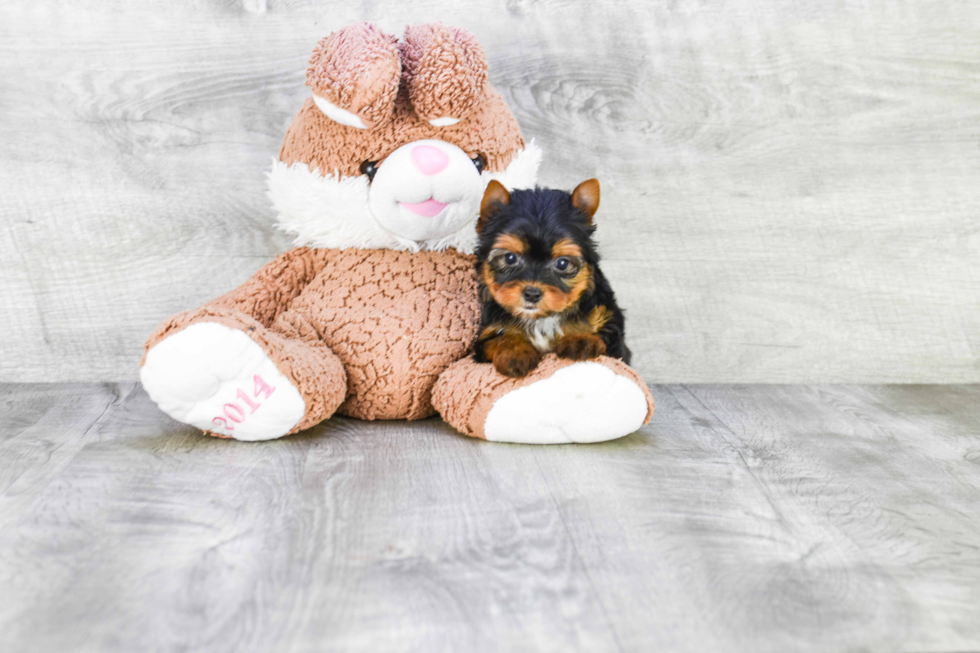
x,y
585,197
495,197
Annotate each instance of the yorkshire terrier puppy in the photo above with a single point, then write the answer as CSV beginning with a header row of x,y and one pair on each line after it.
x,y
540,282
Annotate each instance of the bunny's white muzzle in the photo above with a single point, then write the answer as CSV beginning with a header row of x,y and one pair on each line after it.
x,y
429,201
426,190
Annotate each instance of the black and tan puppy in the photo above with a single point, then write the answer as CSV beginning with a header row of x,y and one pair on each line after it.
x,y
540,283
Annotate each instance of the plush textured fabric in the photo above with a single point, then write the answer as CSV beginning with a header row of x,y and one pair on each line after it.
x,y
490,129
310,365
468,390
445,70
358,69
396,320
362,329
370,328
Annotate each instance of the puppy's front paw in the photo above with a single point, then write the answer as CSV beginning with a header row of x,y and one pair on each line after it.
x,y
580,347
516,361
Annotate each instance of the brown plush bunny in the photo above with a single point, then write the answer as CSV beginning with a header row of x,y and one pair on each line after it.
x,y
380,179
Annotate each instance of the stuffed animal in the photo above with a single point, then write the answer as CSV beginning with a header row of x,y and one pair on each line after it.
x,y
374,311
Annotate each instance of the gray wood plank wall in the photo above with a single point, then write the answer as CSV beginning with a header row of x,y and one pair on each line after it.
x,y
791,188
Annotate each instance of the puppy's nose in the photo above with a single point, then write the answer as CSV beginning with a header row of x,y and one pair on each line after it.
x,y
532,294
429,160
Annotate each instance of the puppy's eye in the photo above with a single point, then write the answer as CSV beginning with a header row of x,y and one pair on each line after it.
x,y
369,168
562,264
480,162
502,259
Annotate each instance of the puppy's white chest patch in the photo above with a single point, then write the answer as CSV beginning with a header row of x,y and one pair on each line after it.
x,y
544,332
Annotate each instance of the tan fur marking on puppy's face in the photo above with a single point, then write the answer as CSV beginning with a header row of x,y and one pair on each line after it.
x,y
557,301
511,296
566,247
508,294
511,243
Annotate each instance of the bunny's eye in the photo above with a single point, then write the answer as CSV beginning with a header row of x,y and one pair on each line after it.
x,y
369,168
480,162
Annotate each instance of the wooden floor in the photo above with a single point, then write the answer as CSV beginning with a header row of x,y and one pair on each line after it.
x,y
744,518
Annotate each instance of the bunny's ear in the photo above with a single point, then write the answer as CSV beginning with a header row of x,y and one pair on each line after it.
x,y
446,71
354,74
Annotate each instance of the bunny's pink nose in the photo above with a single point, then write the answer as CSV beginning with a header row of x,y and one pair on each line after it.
x,y
429,160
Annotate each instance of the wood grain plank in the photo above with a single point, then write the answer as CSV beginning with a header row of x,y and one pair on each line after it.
x,y
789,192
879,501
43,428
357,534
744,518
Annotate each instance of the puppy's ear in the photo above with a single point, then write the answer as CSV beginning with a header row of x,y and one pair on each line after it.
x,y
495,197
585,197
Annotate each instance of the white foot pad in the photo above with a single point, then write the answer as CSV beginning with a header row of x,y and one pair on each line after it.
x,y
218,379
584,402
